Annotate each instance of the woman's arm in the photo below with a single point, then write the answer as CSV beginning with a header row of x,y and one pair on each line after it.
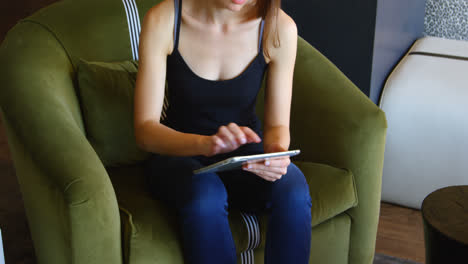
x,y
156,42
278,94
278,90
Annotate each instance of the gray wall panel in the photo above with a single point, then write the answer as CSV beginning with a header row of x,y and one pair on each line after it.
x,y
399,23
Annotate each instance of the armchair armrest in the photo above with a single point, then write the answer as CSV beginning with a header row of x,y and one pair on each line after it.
x,y
51,153
333,122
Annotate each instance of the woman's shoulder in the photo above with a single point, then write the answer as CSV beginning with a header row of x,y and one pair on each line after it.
x,y
286,31
158,23
162,13
285,22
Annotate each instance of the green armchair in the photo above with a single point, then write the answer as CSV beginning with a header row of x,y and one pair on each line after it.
x,y
82,209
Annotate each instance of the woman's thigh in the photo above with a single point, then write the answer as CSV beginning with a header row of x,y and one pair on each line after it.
x,y
291,188
249,192
246,191
171,179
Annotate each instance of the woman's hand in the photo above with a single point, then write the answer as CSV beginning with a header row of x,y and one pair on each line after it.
x,y
229,138
271,169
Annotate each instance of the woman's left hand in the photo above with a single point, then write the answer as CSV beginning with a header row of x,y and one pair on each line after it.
x,y
270,169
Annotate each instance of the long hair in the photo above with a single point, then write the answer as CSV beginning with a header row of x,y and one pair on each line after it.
x,y
268,10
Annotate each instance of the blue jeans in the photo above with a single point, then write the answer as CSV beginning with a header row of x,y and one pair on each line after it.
x,y
203,202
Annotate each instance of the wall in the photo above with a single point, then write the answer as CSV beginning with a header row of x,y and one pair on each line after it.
x,y
364,39
14,10
399,23
342,30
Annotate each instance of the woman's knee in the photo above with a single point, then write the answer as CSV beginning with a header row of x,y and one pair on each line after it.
x,y
207,196
292,189
168,178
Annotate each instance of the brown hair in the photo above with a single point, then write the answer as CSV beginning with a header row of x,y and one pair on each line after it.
x,y
268,10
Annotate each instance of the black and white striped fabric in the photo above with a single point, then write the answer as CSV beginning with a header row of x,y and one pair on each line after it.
x,y
253,230
133,20
134,29
250,220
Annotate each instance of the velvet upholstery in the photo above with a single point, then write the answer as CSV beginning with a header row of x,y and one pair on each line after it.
x,y
79,208
106,92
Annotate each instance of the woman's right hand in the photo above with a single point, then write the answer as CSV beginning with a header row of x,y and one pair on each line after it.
x,y
229,138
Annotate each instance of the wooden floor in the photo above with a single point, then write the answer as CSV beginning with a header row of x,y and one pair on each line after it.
x,y
400,233
400,230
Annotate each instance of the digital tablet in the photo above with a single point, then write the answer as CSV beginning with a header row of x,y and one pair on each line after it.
x,y
237,161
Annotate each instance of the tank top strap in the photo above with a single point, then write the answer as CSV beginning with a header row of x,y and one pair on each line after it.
x,y
177,18
260,46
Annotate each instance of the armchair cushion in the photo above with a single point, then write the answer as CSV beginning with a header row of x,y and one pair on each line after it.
x,y
333,190
105,92
147,224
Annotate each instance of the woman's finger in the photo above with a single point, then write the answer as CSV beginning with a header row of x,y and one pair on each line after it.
x,y
227,137
238,133
268,169
272,162
267,178
219,142
251,135
265,173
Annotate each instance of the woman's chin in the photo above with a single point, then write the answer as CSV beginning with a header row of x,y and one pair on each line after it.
x,y
237,5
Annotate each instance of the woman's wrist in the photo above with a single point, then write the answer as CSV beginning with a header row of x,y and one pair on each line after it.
x,y
202,145
276,139
273,147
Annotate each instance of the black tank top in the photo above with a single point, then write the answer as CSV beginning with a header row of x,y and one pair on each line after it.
x,y
198,105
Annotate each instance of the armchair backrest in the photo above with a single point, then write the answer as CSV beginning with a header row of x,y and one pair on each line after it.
x,y
94,30
41,54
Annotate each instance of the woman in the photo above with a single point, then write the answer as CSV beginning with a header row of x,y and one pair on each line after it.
x,y
205,47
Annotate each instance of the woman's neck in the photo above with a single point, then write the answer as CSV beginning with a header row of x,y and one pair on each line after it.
x,y
220,12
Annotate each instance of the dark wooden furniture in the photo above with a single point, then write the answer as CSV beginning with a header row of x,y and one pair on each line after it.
x,y
2,258
445,219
